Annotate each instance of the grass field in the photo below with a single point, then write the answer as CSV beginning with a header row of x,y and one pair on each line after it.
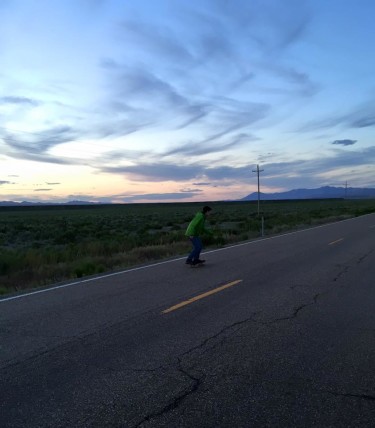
x,y
43,245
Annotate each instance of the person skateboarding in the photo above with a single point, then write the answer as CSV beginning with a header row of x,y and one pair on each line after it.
x,y
195,229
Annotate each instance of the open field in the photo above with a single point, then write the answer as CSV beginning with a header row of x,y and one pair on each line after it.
x,y
43,245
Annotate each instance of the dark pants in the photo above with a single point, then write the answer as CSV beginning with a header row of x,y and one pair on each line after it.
x,y
197,248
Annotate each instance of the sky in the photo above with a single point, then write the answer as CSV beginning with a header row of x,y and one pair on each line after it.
x,y
120,101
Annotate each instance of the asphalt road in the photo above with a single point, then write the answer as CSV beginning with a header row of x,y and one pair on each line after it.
x,y
279,332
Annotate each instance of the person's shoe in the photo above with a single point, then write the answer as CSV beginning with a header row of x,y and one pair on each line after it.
x,y
189,262
200,261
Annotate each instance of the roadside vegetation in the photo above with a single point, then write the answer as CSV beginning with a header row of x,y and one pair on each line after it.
x,y
43,245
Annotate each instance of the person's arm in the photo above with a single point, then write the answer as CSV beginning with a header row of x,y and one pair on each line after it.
x,y
207,231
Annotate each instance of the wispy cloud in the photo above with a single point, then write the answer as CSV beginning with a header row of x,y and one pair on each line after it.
x,y
312,172
188,92
36,146
18,100
360,116
276,173
44,158
203,183
208,145
346,142
157,172
363,121
157,39
181,95
157,196
39,143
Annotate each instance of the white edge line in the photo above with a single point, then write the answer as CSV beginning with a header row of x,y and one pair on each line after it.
x,y
255,241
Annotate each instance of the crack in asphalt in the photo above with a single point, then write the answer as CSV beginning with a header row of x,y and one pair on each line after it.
x,y
341,273
348,395
195,381
348,267
296,311
293,315
218,334
44,350
360,260
195,384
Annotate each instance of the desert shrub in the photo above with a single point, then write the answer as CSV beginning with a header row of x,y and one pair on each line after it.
x,y
84,267
43,245
10,261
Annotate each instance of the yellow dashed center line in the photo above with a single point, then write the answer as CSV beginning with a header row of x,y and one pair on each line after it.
x,y
201,296
335,242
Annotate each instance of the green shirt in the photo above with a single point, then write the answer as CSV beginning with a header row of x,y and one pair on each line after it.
x,y
196,226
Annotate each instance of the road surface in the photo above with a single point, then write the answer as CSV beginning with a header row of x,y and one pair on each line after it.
x,y
278,332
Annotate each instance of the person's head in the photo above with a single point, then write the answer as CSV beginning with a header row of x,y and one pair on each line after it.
x,y
206,209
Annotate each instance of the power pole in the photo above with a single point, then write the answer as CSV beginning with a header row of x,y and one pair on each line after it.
x,y
258,171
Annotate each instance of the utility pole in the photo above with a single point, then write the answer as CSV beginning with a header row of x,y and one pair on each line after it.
x,y
345,189
258,171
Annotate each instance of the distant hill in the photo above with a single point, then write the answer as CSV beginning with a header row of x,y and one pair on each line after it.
x,y
327,192
321,193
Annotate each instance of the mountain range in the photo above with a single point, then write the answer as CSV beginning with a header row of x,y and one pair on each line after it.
x,y
327,192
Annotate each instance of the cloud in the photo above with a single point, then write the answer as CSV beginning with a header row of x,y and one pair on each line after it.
x,y
144,83
311,172
157,196
191,190
292,80
128,198
362,116
156,39
18,100
194,113
265,26
163,171
35,146
202,147
42,190
344,142
41,141
151,100
2,182
176,72
196,81
363,122
156,172
319,124
44,158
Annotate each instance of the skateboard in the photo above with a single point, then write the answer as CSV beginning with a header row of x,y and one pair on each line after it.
x,y
197,265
